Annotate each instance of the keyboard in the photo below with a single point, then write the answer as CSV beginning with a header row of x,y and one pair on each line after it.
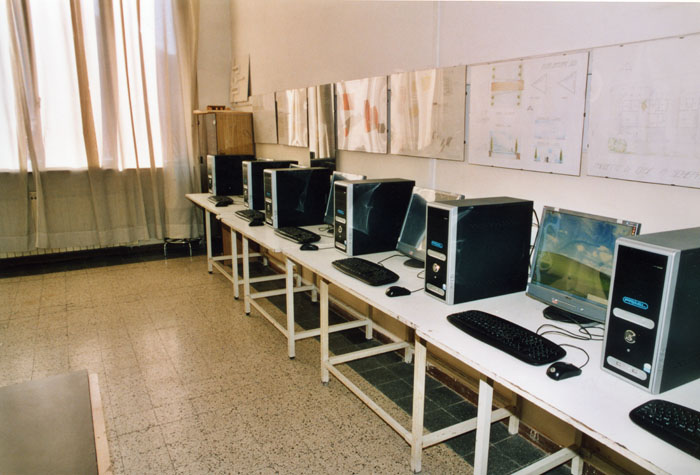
x,y
220,200
302,236
675,424
507,336
250,214
366,271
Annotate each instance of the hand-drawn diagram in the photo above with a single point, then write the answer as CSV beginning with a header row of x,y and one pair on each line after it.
x,y
529,114
427,113
362,114
645,112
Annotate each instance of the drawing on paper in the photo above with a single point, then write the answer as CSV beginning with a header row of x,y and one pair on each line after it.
x,y
529,114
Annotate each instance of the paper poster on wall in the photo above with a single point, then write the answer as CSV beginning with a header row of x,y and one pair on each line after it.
x,y
645,112
321,121
292,118
528,114
264,118
240,72
427,113
362,114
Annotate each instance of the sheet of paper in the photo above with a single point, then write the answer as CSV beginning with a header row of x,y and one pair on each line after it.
x,y
240,73
362,114
427,113
292,126
528,114
645,112
264,118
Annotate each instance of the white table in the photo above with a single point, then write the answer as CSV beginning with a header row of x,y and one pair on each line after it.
x,y
595,403
414,311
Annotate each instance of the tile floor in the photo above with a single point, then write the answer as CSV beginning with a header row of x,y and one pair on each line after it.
x,y
191,385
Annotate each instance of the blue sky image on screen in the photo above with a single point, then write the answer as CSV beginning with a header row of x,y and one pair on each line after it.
x,y
576,255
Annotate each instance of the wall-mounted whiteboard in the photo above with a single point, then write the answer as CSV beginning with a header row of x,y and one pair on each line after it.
x,y
362,114
264,118
645,112
292,128
321,121
528,114
427,113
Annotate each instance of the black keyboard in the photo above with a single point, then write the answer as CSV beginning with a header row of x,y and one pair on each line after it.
x,y
220,200
302,236
250,214
675,424
366,271
507,336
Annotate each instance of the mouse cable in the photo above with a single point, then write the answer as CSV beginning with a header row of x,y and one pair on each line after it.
x,y
416,290
387,258
588,358
582,333
418,275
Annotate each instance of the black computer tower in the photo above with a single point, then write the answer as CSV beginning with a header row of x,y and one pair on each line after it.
x,y
653,319
477,248
253,184
225,174
368,214
296,196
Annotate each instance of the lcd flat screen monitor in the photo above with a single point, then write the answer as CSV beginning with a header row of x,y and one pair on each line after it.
x,y
572,264
337,176
412,238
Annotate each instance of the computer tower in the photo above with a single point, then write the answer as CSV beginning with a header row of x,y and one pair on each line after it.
x,y
477,248
653,319
225,173
253,183
296,196
369,213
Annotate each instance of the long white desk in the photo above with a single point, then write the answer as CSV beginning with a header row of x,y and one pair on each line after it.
x,y
595,403
414,311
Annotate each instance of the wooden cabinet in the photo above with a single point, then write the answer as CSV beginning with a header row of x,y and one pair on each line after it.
x,y
223,133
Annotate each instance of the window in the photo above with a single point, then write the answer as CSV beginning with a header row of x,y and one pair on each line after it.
x,y
122,88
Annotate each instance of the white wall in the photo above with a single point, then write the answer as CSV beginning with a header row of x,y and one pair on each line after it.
x,y
214,53
309,42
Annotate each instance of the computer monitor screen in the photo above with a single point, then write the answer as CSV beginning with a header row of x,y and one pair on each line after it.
x,y
572,264
412,238
337,176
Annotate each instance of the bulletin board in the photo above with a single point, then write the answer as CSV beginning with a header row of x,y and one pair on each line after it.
x,y
292,126
644,120
264,118
428,113
362,114
528,114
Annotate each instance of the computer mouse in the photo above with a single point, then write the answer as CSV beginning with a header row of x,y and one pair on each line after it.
x,y
309,247
562,370
222,203
256,222
396,291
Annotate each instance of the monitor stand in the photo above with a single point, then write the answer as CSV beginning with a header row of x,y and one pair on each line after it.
x,y
559,315
414,263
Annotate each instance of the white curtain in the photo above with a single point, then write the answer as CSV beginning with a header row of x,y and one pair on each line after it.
x,y
105,90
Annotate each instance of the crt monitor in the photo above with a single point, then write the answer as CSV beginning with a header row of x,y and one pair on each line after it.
x,y
337,176
572,264
412,238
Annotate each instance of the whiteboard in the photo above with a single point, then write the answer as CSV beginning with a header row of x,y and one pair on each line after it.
x,y
264,118
528,114
645,112
292,126
427,113
362,114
